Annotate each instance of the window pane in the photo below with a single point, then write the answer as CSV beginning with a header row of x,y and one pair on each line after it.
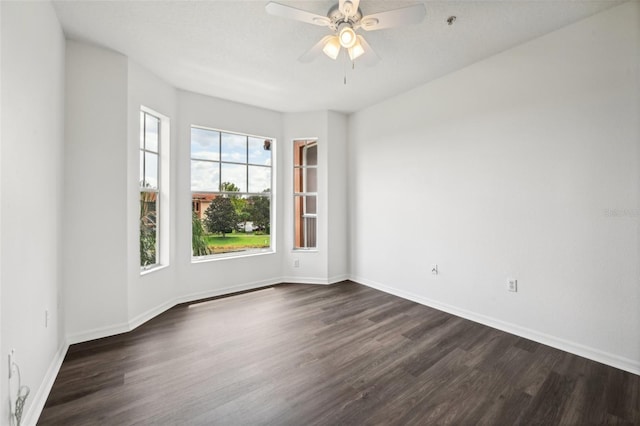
x,y
305,204
260,151
151,132
148,228
312,155
150,170
142,114
234,148
305,179
205,144
298,180
235,174
312,180
305,221
259,179
141,176
205,176
310,204
305,153
310,232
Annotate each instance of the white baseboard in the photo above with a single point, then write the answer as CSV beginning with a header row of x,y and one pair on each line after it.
x,y
97,333
40,398
226,290
140,319
338,278
610,359
304,280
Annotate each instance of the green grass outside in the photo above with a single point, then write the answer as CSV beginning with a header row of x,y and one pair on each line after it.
x,y
237,242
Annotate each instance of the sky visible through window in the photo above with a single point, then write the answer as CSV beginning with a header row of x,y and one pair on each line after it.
x,y
149,140
226,157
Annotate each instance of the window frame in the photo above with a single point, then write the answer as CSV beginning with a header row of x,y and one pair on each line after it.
x,y
142,151
305,216
247,164
163,211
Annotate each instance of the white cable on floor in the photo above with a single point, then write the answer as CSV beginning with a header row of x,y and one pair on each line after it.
x,y
21,397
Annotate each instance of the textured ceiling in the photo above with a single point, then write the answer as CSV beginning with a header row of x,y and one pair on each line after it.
x,y
234,50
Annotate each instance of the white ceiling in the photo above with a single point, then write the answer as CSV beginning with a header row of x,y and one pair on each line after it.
x,y
233,50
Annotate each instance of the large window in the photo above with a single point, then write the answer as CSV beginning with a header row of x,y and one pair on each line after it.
x,y
149,189
230,193
305,193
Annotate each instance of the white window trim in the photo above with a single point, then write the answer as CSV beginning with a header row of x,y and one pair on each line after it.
x,y
163,198
272,201
304,166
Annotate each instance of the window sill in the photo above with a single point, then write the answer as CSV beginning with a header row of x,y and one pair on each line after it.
x,y
152,269
226,256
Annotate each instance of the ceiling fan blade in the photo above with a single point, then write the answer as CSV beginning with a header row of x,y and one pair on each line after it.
x,y
369,57
394,18
289,12
315,51
348,7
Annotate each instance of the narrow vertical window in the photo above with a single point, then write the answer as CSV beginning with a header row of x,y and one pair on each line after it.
x,y
231,197
305,193
149,189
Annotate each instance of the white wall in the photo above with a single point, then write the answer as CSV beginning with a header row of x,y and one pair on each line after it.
x,y
215,277
326,264
31,155
95,219
104,289
312,263
105,292
513,167
152,292
338,232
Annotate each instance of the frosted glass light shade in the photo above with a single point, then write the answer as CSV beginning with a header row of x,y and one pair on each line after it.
x,y
332,47
356,51
347,37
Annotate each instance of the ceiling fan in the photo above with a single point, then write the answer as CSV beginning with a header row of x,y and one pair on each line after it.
x,y
344,19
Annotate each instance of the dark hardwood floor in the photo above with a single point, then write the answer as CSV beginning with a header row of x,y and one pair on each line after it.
x,y
329,355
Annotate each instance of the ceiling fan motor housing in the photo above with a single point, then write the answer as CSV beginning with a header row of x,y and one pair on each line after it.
x,y
337,17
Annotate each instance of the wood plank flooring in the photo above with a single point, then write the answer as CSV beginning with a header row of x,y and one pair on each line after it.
x,y
329,355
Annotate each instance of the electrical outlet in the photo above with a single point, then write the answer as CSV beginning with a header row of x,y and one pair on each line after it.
x,y
296,263
512,285
434,269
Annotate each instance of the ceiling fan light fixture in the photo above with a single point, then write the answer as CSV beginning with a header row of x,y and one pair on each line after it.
x,y
332,47
347,36
356,51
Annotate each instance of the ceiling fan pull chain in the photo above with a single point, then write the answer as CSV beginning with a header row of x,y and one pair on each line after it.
x,y
345,70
